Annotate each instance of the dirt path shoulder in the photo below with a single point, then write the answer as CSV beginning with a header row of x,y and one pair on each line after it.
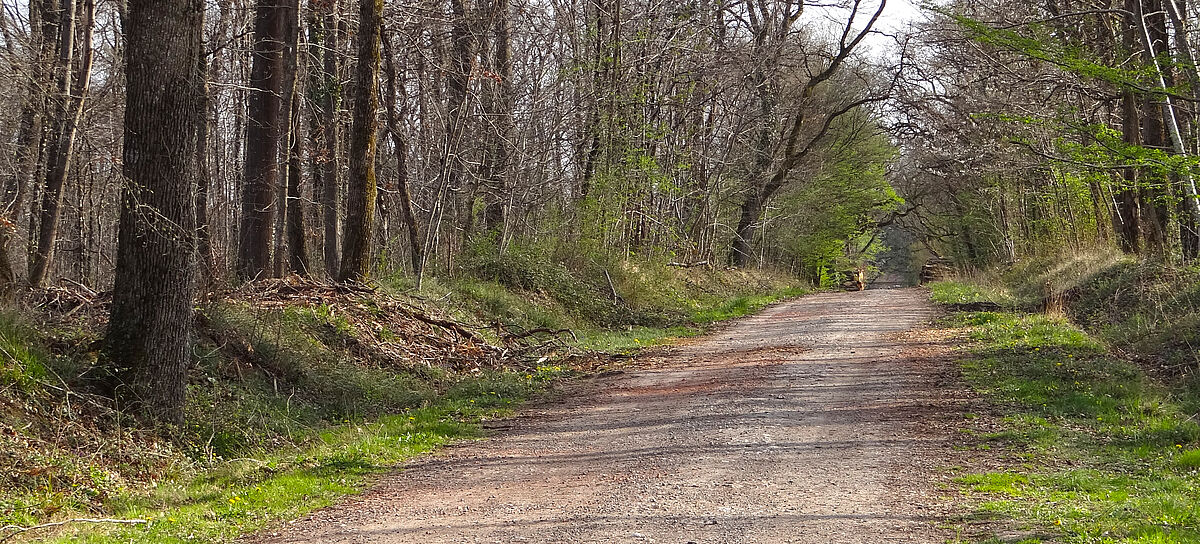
x,y
820,420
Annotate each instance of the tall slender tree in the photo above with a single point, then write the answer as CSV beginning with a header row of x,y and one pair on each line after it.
x,y
264,138
325,101
74,67
400,147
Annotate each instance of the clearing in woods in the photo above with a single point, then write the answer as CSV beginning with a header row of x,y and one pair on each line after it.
x,y
818,420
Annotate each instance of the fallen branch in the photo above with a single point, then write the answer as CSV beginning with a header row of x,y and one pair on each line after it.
x,y
688,265
615,295
17,529
443,323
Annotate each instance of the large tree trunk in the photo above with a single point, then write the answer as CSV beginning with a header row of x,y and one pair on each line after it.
x,y
361,184
264,135
150,326
743,237
72,89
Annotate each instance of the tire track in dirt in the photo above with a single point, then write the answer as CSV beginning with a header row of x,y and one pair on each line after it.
x,y
811,422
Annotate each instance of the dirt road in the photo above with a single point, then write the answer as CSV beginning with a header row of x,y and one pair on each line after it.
x,y
807,423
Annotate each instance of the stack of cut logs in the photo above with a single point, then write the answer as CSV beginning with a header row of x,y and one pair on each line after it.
x,y
936,269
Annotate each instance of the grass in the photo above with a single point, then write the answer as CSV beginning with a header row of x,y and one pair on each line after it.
x,y
657,303
1099,452
966,292
241,496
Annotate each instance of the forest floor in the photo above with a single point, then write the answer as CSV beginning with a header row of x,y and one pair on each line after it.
x,y
830,418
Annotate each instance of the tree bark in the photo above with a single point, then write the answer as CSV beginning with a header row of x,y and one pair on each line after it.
x,y
298,261
291,251
27,151
150,325
361,184
264,135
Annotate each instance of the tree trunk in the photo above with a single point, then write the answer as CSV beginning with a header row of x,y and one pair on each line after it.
x,y
1155,210
325,93
401,146
27,151
264,135
71,92
298,261
150,325
457,83
290,250
500,105
361,184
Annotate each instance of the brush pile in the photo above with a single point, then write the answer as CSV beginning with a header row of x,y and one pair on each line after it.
x,y
392,331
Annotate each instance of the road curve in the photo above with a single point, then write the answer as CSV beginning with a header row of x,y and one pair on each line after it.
x,y
802,424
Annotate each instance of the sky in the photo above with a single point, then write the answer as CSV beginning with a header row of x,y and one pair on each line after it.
x,y
896,17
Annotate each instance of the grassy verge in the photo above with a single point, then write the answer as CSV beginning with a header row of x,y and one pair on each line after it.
x,y
1095,450
244,495
953,293
654,302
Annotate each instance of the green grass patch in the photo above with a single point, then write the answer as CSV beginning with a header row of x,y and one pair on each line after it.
x,y
244,495
1110,455
964,292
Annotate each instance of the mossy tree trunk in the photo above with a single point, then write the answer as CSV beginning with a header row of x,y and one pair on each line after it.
x,y
361,184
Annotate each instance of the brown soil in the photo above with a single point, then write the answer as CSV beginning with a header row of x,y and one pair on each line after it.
x,y
821,420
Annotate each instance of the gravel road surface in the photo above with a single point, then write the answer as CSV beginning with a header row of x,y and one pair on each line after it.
x,y
819,420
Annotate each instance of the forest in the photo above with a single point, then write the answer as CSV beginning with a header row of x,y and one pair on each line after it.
x,y
353,141
208,206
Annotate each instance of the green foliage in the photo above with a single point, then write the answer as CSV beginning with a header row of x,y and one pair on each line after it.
x,y
827,223
1110,451
23,364
1038,41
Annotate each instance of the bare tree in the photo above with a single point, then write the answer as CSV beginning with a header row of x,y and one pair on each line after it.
x,y
73,81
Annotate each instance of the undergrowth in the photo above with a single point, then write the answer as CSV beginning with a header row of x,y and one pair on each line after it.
x,y
1098,451
292,405
1149,308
